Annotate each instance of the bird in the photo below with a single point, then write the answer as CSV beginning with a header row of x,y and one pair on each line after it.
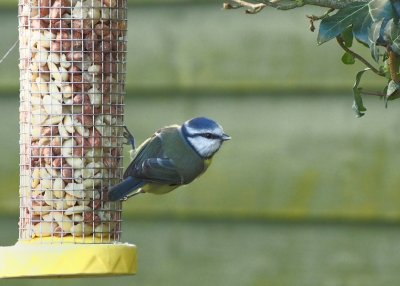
x,y
172,157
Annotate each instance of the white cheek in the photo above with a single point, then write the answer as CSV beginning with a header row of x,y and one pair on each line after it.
x,y
205,147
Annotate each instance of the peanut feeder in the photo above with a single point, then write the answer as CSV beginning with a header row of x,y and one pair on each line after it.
x,y
72,83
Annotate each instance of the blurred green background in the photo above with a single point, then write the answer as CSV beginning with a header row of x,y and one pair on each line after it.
x,y
304,194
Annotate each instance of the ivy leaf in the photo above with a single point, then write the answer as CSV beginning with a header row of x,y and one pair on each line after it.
x,y
358,106
380,10
392,35
396,7
373,36
347,37
388,31
334,25
392,91
392,88
348,59
391,32
368,28
361,26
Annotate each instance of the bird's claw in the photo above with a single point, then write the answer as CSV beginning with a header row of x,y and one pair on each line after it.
x,y
130,140
140,191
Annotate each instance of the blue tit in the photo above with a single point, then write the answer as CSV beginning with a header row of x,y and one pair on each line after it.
x,y
174,156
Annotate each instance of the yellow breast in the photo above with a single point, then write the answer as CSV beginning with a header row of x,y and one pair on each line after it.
x,y
207,163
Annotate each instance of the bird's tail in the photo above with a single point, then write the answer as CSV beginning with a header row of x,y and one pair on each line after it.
x,y
123,189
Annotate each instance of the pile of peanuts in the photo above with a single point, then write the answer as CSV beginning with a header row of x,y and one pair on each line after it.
x,y
72,66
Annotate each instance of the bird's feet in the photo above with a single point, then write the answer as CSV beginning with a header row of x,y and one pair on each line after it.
x,y
130,140
140,191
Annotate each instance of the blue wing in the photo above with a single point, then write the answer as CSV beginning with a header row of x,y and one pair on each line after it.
x,y
124,188
153,170
151,148
148,166
151,165
158,170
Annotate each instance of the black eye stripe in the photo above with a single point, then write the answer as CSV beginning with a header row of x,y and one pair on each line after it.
x,y
205,135
209,136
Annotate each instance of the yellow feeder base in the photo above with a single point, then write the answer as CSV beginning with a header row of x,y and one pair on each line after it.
x,y
63,257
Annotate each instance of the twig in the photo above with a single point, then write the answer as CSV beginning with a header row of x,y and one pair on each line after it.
x,y
375,93
284,4
357,56
8,52
291,4
287,4
251,8
314,18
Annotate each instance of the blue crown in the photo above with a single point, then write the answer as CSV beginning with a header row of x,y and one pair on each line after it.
x,y
201,123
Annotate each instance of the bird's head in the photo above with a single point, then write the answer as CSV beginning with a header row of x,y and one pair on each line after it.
x,y
204,135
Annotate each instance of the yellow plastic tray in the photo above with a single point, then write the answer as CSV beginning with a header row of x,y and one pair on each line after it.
x,y
65,257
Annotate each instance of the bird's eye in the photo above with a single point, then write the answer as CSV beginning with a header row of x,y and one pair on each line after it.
x,y
208,135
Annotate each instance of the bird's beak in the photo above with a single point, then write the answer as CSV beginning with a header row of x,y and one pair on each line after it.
x,y
225,137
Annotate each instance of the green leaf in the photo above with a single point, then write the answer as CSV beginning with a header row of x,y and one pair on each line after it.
x,y
358,106
348,59
334,25
347,37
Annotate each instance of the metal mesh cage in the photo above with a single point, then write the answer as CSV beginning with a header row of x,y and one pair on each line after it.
x,y
72,73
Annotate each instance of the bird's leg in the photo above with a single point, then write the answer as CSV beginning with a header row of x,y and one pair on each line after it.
x,y
131,195
130,140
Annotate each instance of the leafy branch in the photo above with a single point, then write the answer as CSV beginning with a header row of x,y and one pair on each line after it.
x,y
253,8
358,57
373,23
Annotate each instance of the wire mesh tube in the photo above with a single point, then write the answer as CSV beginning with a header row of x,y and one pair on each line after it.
x,y
72,73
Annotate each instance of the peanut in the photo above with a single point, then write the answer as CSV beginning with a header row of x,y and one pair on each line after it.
x,y
58,188
48,198
77,209
66,91
44,6
55,119
103,229
81,229
35,177
38,24
44,228
56,144
70,200
51,105
54,91
76,190
41,56
66,172
50,131
64,62
58,9
40,210
77,217
68,124
94,138
45,179
63,221
85,120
